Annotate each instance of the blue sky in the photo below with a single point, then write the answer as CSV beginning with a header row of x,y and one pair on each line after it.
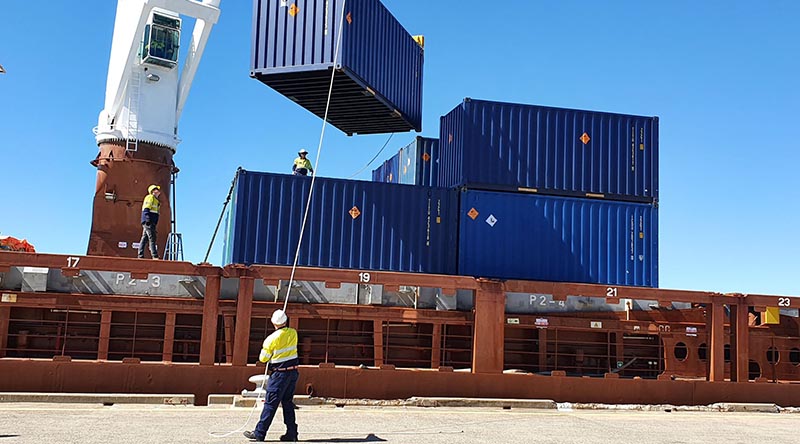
x,y
721,75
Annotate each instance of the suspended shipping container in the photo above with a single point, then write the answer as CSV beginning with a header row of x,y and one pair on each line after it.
x,y
378,82
351,224
531,148
415,164
552,238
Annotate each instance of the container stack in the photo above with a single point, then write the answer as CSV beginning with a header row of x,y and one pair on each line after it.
x,y
547,193
415,164
553,194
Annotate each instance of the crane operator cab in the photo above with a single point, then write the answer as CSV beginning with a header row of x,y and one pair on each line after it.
x,y
162,37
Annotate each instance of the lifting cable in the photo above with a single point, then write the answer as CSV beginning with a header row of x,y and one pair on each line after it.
x,y
221,215
373,159
305,215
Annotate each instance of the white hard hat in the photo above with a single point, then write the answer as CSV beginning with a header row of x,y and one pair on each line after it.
x,y
279,317
303,151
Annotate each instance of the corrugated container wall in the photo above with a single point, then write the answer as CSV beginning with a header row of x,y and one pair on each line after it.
x,y
351,224
388,172
428,161
505,146
378,84
550,238
414,164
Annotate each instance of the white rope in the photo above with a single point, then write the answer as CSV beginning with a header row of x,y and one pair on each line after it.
x,y
316,161
305,216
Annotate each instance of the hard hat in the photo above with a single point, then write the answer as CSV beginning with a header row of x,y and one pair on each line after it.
x,y
303,151
279,317
153,187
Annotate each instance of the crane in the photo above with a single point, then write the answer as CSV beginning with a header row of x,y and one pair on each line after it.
x,y
137,130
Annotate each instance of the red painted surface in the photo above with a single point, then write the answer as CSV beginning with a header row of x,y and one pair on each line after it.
x,y
654,344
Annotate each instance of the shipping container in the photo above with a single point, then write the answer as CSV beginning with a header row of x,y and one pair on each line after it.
x,y
552,238
415,164
378,82
388,172
506,146
351,224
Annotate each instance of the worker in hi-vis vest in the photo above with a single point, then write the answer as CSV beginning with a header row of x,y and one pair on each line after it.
x,y
279,351
150,208
301,165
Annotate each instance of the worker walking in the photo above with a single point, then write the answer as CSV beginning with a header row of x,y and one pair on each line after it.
x,y
150,208
301,165
279,351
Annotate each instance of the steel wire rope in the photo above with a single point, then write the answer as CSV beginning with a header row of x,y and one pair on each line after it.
x,y
305,215
373,158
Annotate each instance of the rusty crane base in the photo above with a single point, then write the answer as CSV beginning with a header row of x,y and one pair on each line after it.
x,y
80,342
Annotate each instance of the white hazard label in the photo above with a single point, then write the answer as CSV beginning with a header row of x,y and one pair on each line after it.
x,y
491,220
122,245
284,3
135,245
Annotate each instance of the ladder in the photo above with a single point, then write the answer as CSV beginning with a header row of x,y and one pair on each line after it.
x,y
134,93
174,250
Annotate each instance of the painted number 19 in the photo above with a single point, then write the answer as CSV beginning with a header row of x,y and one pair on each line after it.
x,y
364,277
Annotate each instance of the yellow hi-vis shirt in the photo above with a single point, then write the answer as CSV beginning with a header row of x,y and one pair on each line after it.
x,y
151,203
280,346
303,163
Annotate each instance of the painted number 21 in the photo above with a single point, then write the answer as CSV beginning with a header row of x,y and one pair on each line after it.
x,y
611,292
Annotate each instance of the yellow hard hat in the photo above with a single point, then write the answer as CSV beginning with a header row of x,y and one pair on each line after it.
x,y
153,187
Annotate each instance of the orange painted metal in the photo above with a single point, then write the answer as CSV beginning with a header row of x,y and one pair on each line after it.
x,y
338,382
122,181
487,355
568,343
244,307
716,345
208,339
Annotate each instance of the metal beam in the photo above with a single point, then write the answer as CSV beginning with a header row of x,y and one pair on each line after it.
x,y
208,335
105,335
5,314
488,340
717,345
244,311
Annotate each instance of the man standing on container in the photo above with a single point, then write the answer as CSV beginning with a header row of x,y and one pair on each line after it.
x,y
302,166
279,351
150,208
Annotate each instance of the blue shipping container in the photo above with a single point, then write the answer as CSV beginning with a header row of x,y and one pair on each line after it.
x,y
505,146
415,164
388,172
351,224
378,82
550,238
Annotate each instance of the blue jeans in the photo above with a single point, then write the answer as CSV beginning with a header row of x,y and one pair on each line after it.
x,y
280,390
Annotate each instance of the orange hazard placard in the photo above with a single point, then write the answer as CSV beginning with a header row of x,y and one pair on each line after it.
x,y
293,10
473,214
355,212
585,138
426,157
349,18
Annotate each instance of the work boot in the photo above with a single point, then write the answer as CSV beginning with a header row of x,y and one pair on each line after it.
x,y
288,437
252,436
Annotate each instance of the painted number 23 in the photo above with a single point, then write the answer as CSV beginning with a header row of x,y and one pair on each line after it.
x,y
784,302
